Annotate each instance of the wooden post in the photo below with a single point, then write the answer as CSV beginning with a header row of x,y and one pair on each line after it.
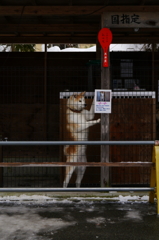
x,y
45,92
153,88
153,176
98,57
105,84
153,60
1,169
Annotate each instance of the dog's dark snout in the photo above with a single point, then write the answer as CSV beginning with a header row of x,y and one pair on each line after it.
x,y
85,105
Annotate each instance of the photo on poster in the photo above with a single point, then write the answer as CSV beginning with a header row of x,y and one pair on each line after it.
x,y
102,101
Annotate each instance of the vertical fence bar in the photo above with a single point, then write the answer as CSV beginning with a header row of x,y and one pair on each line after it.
x,y
45,91
153,177
153,60
154,118
157,176
1,169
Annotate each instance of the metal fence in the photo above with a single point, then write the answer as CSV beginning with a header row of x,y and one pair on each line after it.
x,y
33,104
75,164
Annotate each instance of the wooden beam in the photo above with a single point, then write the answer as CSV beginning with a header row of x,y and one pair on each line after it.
x,y
73,10
142,2
33,2
131,30
67,27
48,39
77,38
135,39
84,27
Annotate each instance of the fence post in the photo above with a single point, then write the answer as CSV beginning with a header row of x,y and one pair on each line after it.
x,y
157,176
105,84
153,177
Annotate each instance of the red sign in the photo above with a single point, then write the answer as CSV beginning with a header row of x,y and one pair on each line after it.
x,y
105,39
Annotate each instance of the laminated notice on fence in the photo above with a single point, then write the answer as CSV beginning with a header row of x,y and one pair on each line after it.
x,y
103,99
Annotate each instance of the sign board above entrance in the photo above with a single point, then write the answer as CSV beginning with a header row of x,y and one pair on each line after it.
x,y
131,20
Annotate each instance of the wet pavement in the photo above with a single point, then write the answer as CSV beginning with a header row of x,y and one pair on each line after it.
x,y
78,219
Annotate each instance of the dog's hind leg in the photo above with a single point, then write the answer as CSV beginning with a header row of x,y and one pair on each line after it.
x,y
80,174
80,170
69,172
71,155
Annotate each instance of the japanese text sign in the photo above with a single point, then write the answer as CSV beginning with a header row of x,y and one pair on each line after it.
x,y
131,19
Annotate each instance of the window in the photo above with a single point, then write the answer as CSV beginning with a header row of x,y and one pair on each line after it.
x,y
126,68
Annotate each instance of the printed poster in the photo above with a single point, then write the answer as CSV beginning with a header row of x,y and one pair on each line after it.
x,y
103,99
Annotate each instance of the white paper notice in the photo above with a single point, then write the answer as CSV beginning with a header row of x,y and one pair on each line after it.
x,y
103,99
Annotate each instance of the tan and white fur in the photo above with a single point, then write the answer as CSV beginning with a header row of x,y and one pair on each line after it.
x,y
78,121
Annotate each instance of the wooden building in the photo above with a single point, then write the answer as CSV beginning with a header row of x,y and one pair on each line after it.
x,y
31,82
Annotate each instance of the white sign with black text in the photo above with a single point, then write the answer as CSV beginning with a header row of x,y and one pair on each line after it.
x,y
131,20
103,99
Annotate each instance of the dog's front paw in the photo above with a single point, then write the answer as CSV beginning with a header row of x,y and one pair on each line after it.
x,y
98,121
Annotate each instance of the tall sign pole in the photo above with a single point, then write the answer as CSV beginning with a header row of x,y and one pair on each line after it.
x,y
105,38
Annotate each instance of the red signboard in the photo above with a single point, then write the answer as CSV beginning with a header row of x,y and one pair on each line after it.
x,y
105,39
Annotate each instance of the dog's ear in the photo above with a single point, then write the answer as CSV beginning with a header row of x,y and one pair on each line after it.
x,y
71,96
83,93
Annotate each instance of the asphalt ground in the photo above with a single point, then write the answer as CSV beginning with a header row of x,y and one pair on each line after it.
x,y
78,218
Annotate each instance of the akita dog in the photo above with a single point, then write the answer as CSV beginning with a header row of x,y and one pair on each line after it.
x,y
78,121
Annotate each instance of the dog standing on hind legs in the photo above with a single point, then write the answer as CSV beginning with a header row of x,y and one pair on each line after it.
x,y
78,121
